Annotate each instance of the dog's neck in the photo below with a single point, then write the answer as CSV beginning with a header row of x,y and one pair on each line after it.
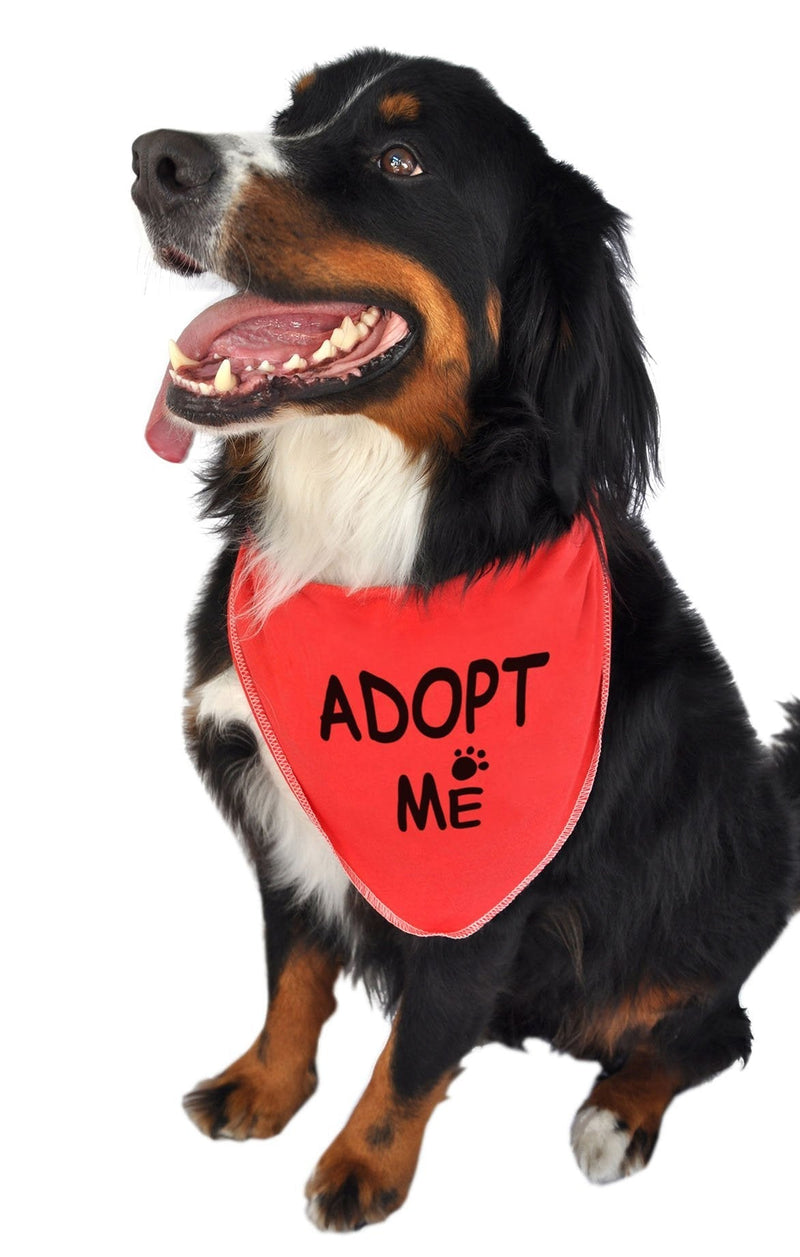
x,y
344,504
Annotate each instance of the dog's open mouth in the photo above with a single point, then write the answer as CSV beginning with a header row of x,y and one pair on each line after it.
x,y
288,348
244,356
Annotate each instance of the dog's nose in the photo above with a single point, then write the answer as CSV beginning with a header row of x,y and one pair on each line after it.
x,y
172,168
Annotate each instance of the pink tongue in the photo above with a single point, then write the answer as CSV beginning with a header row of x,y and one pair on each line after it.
x,y
163,434
276,336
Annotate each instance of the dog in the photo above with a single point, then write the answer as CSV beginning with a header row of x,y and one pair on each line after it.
x,y
433,405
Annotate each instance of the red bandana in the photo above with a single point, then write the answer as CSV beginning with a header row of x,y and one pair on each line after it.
x,y
445,748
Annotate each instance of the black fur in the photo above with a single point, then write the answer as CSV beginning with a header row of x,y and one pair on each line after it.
x,y
787,752
684,866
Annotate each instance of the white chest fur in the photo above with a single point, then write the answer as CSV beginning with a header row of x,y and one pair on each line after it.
x,y
344,503
300,857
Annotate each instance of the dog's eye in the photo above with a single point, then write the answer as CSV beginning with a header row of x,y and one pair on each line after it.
x,y
398,160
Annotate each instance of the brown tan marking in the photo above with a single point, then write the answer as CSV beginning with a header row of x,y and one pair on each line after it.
x,y
399,107
304,82
494,311
601,1033
276,233
257,1095
245,459
367,1171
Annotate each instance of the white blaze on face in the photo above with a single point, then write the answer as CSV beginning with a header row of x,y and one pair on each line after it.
x,y
242,152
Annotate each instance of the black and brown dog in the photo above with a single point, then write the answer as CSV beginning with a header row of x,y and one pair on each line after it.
x,y
431,370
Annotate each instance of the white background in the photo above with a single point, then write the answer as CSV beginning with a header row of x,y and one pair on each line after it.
x,y
132,939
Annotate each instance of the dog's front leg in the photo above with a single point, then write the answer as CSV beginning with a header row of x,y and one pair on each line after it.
x,y
256,1096
444,1011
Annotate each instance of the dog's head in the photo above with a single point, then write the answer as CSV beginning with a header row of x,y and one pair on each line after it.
x,y
405,248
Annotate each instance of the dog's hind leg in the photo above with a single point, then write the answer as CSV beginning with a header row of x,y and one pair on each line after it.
x,y
615,1131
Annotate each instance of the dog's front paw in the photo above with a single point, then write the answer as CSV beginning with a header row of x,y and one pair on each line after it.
x,y
605,1147
346,1193
247,1101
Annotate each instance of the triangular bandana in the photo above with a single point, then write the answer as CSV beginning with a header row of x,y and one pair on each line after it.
x,y
444,746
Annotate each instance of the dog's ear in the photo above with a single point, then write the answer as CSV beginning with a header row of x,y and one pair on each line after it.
x,y
573,346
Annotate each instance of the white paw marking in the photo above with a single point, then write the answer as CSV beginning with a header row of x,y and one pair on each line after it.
x,y
315,1213
601,1147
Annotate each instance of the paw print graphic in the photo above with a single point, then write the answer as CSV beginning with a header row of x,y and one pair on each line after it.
x,y
467,763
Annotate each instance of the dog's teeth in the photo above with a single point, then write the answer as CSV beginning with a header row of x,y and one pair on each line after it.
x,y
225,381
266,367
362,330
178,358
295,363
350,333
345,336
193,386
371,316
325,352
